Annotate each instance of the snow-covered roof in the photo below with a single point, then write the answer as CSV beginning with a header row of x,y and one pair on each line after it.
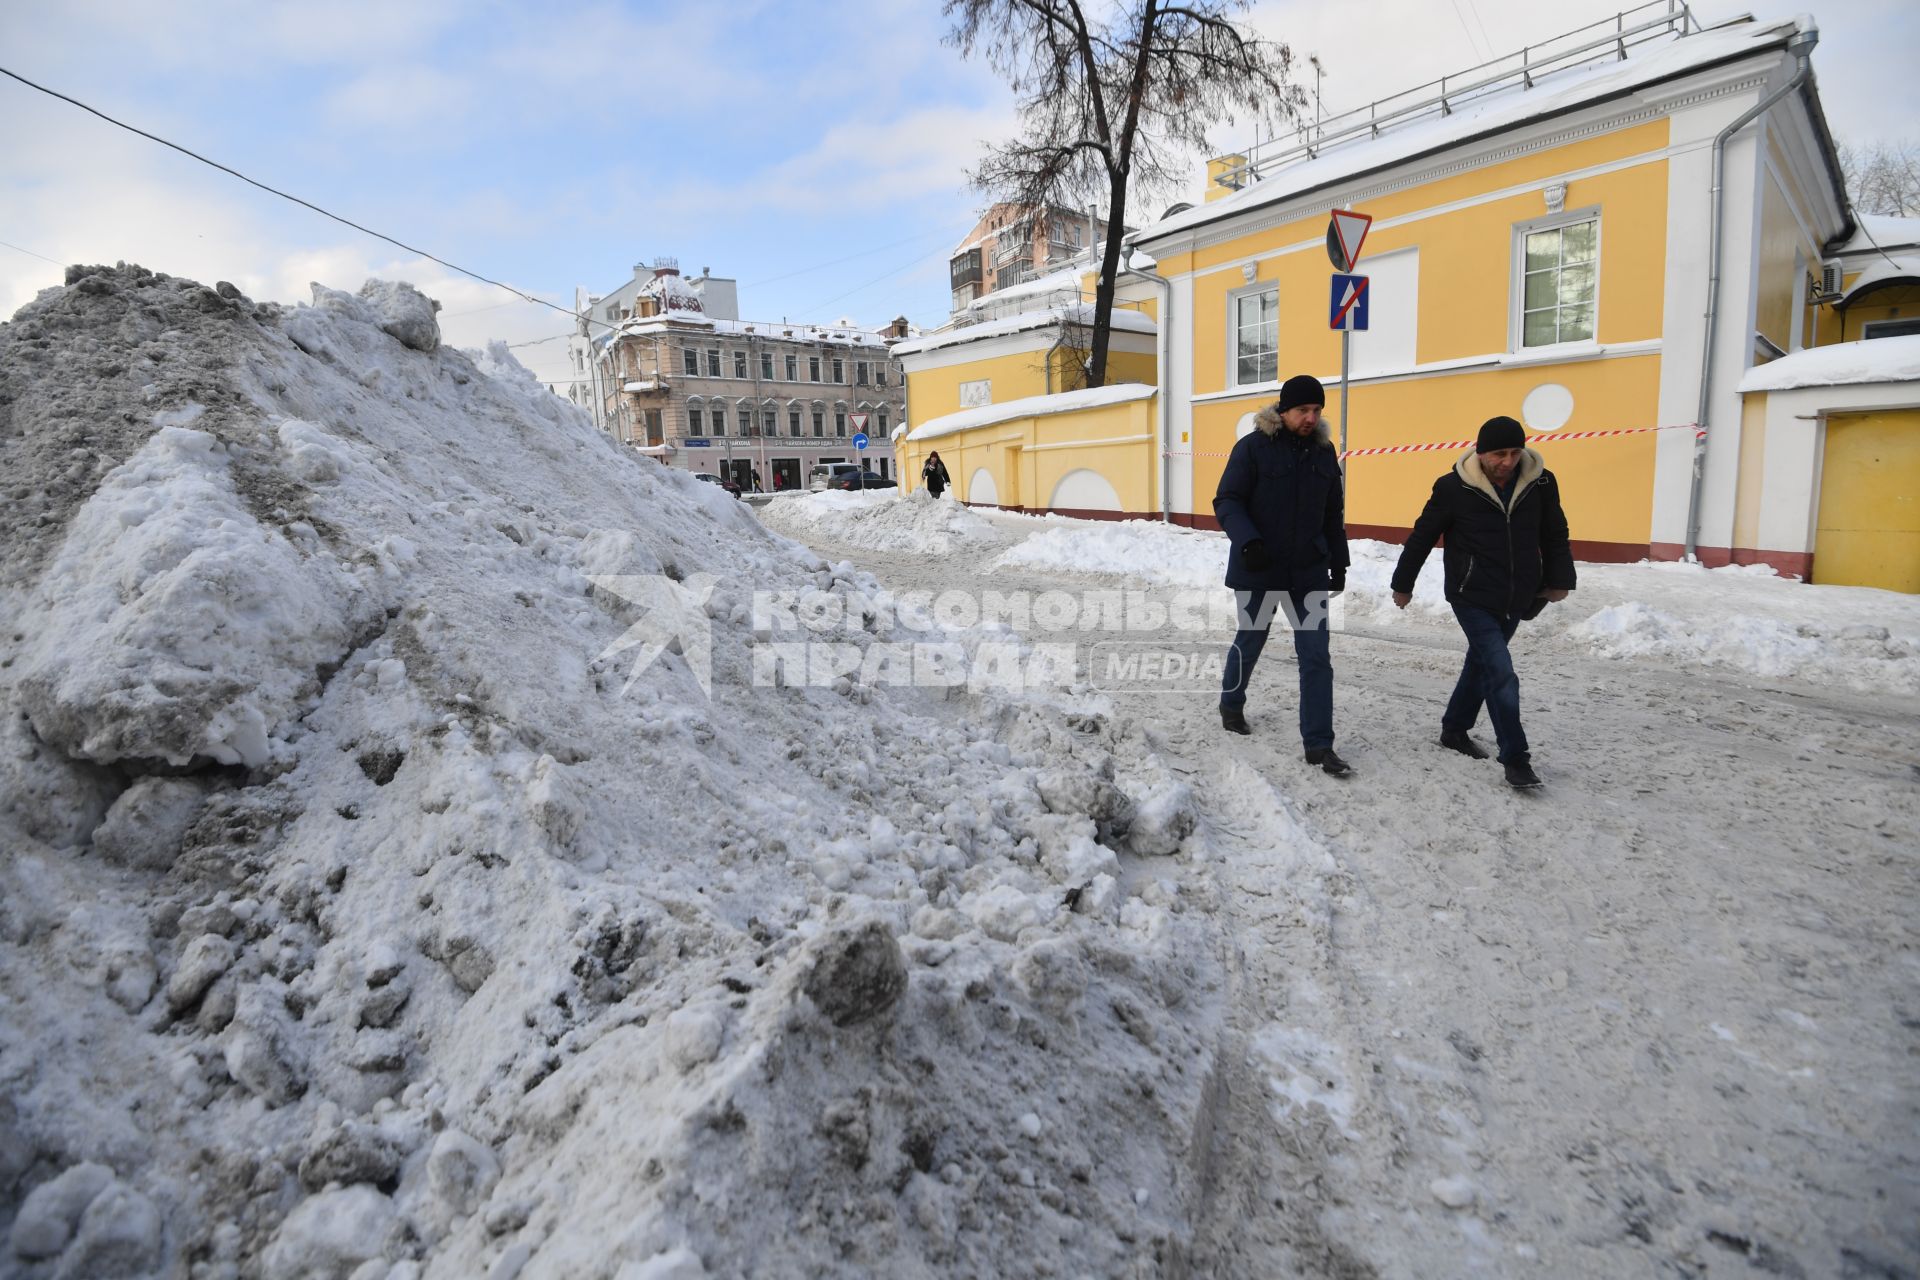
x,y
1031,407
1073,313
1842,364
832,335
1876,231
1882,270
1498,111
1066,278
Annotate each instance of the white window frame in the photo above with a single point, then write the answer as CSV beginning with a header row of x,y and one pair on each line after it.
x,y
792,367
742,362
1233,331
690,362
1517,279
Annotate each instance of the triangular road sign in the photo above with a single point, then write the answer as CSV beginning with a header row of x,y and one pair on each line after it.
x,y
859,422
1346,233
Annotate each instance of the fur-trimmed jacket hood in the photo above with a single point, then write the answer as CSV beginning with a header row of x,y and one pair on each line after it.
x,y
1268,421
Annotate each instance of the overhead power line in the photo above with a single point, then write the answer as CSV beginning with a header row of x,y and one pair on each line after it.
x,y
31,254
519,294
307,204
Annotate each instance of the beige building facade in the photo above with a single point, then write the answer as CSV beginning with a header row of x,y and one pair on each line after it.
x,y
1014,243
759,402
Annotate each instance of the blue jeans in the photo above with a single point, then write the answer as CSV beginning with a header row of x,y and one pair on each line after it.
x,y
1488,677
1310,648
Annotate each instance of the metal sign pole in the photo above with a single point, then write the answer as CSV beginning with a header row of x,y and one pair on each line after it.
x,y
1346,396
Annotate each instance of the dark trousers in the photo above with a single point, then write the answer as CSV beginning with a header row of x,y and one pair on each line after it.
x,y
1310,648
1488,677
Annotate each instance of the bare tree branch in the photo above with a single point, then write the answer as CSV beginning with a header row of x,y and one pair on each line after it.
x,y
1117,109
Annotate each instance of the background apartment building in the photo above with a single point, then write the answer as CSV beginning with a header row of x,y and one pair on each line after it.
x,y
757,401
1015,243
718,296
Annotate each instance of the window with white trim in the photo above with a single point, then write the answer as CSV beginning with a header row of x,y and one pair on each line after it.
x,y
1559,270
695,427
713,362
1255,321
813,368
719,420
840,422
766,366
793,422
819,423
840,371
691,362
740,365
793,368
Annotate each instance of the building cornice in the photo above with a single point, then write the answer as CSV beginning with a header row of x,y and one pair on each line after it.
x,y
1643,104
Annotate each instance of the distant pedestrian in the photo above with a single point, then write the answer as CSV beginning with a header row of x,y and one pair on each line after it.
x,y
1508,554
1283,508
758,487
935,474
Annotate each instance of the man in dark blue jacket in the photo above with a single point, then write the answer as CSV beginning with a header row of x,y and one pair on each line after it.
x,y
1281,504
1508,554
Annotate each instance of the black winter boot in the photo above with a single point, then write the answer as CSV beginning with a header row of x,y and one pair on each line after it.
x,y
1327,760
1234,720
1521,777
1463,744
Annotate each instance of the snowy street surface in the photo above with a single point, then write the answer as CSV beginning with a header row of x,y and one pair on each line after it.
x,y
436,842
1658,1019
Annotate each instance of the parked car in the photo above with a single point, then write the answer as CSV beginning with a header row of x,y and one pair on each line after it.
x,y
729,485
848,475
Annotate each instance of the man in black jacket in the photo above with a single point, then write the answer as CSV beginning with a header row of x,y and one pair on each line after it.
x,y
1507,555
1281,504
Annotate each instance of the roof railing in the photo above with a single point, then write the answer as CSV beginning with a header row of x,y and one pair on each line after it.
x,y
1609,37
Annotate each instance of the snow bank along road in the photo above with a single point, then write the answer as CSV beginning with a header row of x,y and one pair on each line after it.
x,y
1658,1020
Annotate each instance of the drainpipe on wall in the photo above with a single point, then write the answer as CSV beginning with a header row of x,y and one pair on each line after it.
x,y
1165,286
1800,45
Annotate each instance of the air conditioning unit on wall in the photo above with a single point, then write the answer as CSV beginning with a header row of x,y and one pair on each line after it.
x,y
1826,287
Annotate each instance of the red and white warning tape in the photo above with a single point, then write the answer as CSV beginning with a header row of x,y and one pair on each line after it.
x,y
1545,437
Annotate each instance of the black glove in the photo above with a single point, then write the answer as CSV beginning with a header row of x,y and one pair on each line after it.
x,y
1338,582
1253,556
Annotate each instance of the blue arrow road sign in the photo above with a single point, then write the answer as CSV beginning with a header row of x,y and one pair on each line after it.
x,y
1348,309
860,440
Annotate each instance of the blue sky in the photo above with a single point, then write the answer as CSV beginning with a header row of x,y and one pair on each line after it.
x,y
815,152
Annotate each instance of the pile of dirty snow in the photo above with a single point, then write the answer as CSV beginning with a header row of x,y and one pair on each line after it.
x,y
388,894
882,520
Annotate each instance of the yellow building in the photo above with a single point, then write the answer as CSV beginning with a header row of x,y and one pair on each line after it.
x,y
1000,392
1545,243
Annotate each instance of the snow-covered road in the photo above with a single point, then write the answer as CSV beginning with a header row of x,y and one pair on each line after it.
x,y
1657,1019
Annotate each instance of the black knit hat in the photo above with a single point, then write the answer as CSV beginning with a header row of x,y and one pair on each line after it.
x,y
1300,390
1501,433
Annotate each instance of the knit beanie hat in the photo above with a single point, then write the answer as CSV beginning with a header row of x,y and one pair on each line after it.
x,y
1501,433
1301,390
